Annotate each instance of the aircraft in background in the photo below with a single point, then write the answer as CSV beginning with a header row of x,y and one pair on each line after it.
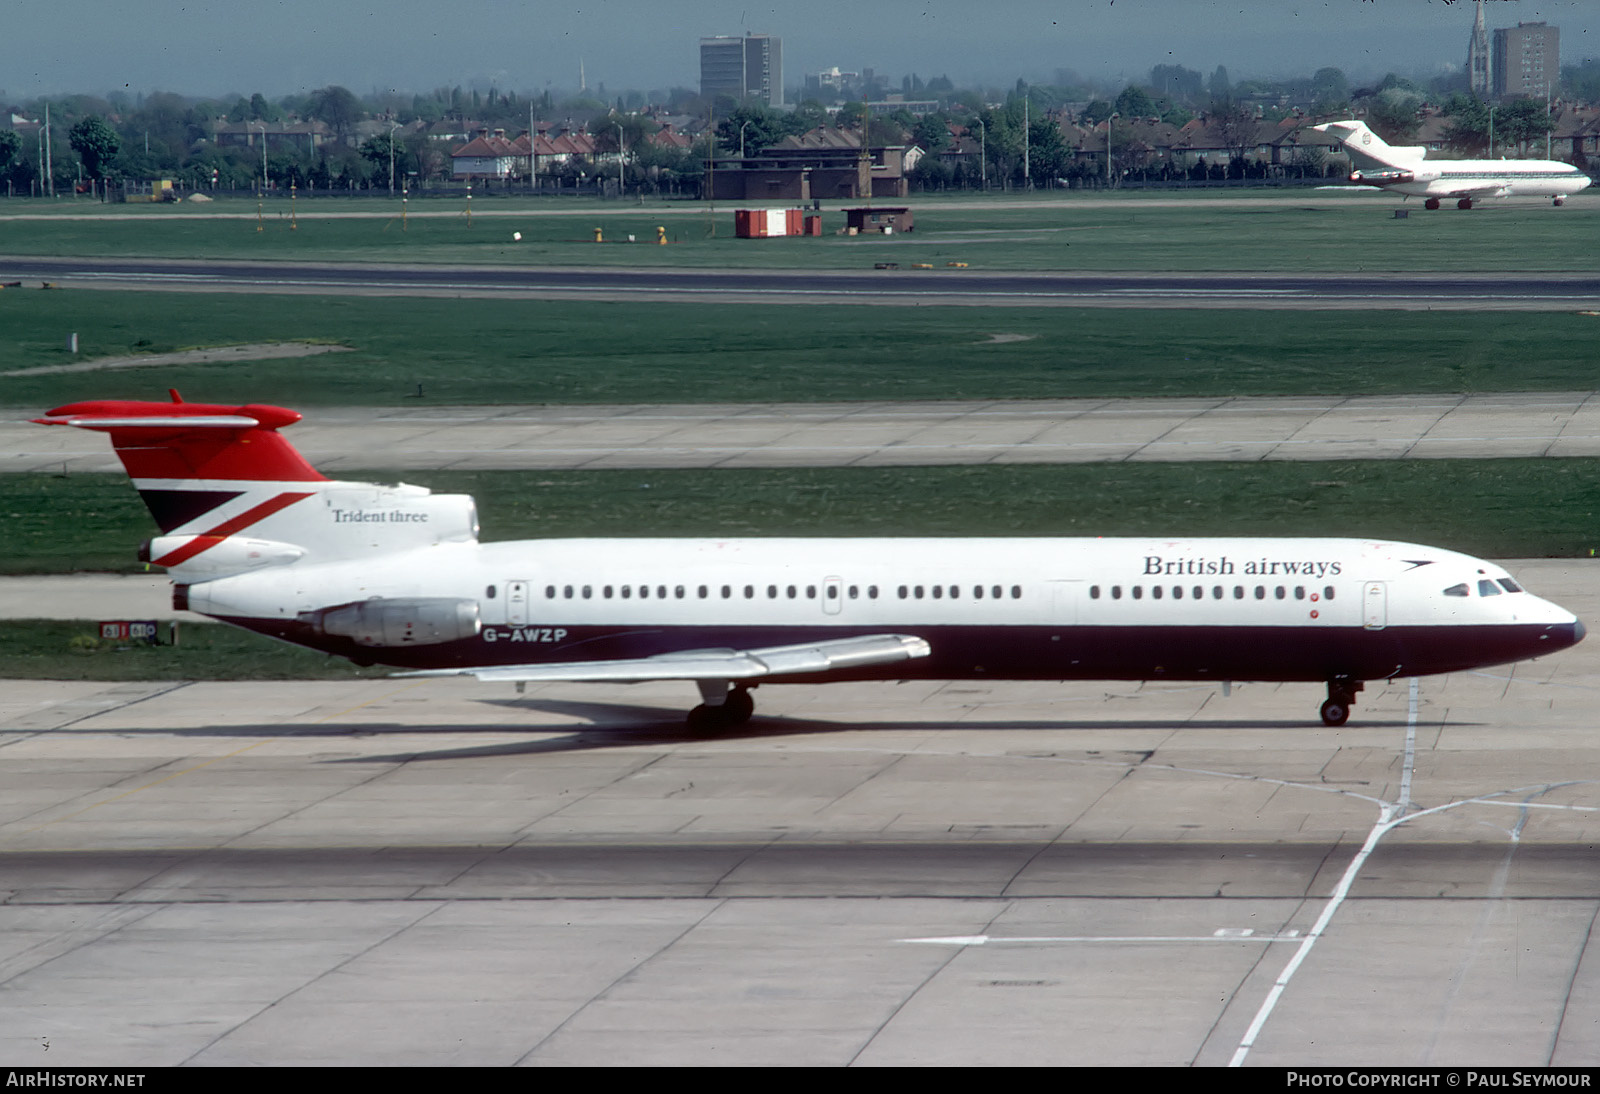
x,y
1407,171
253,535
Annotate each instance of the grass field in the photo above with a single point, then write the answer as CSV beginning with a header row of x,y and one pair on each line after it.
x,y
48,649
510,352
1266,230
1489,508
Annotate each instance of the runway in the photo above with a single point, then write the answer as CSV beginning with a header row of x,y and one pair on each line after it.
x,y
897,434
436,872
1531,291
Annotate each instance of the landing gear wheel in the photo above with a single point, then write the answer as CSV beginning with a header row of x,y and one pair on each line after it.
x,y
735,710
1335,713
1431,203
1464,203
739,706
1558,201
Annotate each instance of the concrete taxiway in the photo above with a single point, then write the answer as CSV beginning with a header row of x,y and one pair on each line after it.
x,y
398,871
898,434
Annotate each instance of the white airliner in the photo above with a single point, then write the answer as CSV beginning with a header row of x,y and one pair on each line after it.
x,y
1406,171
252,535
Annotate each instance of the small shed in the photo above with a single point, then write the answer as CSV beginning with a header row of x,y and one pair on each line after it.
x,y
888,219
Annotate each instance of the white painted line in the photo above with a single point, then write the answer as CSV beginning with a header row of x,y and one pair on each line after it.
x,y
1224,934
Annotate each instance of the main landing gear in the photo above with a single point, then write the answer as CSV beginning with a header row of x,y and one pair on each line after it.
x,y
1464,203
1431,203
724,707
1341,694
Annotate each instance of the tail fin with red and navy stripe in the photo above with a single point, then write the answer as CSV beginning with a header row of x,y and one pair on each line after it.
x,y
230,494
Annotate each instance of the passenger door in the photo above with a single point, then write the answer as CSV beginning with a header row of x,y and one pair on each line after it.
x,y
1375,606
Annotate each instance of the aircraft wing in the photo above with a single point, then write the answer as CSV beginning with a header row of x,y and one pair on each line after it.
x,y
715,664
1485,190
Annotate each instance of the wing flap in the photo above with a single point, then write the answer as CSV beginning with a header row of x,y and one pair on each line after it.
x,y
797,660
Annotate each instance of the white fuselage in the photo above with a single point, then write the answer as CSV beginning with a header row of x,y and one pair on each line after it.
x,y
1022,608
1490,178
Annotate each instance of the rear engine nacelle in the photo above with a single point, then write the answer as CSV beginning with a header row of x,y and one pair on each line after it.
x,y
398,621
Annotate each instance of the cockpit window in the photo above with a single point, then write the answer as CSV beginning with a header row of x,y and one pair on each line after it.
x,y
1488,588
1508,585
1458,590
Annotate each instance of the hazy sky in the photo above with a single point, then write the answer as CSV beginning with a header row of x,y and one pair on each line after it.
x,y
219,47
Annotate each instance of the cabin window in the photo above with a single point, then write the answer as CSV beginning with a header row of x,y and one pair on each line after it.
x,y
661,592
677,592
1488,588
977,592
1016,592
916,591
1155,591
489,592
1177,592
1199,593
588,591
627,591
791,592
703,591
606,592
1216,592
1116,592
749,592
1138,592
811,592
549,592
872,592
1238,592
1299,592
1327,592
1278,592
772,592
904,592
1458,590
938,592
1261,592
833,592
1094,592
996,592
955,592
566,591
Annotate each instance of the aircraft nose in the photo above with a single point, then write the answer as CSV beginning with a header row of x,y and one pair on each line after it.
x,y
1578,631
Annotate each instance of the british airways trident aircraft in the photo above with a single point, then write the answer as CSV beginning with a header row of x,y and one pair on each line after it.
x,y
1406,171
252,535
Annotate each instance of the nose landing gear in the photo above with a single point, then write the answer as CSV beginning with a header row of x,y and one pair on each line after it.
x,y
1341,694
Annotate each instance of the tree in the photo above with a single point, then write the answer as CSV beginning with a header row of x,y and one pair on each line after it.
x,y
761,127
1468,131
338,106
1135,102
1048,154
10,145
96,144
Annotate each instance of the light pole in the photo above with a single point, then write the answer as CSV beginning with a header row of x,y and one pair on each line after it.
x,y
741,139
392,128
